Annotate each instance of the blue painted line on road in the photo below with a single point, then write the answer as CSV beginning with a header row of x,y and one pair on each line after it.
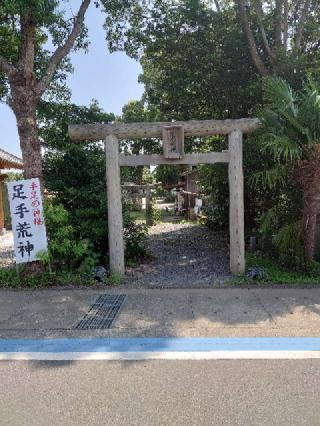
x,y
163,344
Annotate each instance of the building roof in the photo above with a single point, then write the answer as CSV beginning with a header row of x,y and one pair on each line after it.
x,y
9,161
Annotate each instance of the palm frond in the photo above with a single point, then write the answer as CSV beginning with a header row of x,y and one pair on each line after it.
x,y
269,221
281,147
268,179
270,120
289,239
294,122
290,116
279,95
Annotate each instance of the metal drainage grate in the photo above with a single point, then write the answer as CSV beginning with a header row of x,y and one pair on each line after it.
x,y
102,313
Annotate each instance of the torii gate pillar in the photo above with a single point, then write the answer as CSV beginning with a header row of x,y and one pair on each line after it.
x,y
236,207
115,222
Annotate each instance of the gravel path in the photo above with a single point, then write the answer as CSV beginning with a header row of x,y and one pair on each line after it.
x,y
184,255
6,249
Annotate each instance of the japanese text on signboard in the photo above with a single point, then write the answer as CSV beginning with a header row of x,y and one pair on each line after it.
x,y
28,226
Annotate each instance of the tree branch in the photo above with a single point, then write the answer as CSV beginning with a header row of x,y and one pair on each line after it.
x,y
278,23
301,24
216,2
63,51
259,12
285,24
251,41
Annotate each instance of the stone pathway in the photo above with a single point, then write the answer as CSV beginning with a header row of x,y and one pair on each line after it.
x,y
183,255
6,249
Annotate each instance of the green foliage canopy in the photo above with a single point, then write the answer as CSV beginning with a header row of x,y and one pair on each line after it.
x,y
52,25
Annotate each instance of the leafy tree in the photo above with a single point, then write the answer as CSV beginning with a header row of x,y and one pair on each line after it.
x,y
283,36
180,41
291,136
28,68
195,60
133,112
167,174
196,65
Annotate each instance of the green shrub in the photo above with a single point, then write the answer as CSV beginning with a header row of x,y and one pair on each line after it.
x,y
77,218
153,213
214,180
135,238
277,273
66,251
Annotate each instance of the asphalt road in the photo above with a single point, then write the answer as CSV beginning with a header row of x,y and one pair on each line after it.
x,y
151,393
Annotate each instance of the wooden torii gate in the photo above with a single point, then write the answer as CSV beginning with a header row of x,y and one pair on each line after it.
x,y
172,133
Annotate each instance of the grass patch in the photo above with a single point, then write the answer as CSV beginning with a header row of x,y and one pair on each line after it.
x,y
115,279
19,278
14,278
138,215
277,273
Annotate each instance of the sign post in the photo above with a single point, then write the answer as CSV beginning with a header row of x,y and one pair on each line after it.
x,y
173,141
29,232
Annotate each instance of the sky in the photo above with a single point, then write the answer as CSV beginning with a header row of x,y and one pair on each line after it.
x,y
112,79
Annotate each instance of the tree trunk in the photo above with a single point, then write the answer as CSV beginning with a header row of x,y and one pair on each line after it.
x,y
23,103
309,222
257,60
309,178
29,139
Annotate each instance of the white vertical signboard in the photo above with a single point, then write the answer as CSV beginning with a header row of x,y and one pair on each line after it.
x,y
27,216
